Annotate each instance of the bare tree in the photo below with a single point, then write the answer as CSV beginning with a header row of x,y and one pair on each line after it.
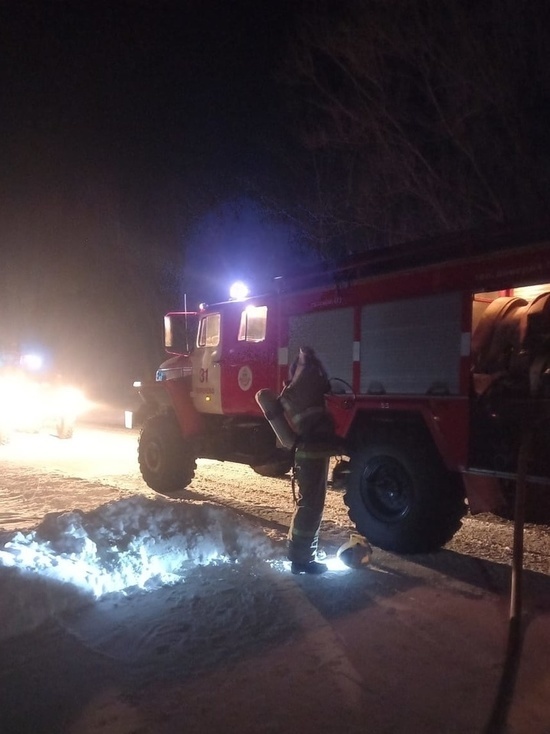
x,y
421,116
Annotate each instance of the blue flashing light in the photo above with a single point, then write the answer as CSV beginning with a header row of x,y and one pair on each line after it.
x,y
238,291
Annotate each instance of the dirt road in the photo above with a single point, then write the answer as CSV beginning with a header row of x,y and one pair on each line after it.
x,y
413,644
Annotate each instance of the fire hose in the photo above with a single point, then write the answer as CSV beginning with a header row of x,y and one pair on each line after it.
x,y
497,720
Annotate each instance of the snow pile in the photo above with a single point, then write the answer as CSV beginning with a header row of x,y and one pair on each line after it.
x,y
136,543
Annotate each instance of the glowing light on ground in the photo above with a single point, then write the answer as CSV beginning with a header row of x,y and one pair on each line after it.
x,y
336,564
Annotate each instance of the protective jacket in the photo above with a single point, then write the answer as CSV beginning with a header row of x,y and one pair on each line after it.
x,y
303,398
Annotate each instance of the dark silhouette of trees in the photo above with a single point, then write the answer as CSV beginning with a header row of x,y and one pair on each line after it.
x,y
418,117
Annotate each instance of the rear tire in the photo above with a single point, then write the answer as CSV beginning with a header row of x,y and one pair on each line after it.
x,y
403,499
166,463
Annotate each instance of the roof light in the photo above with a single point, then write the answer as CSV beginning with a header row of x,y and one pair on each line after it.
x,y
238,291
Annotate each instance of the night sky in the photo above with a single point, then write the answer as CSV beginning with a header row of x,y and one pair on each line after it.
x,y
170,87
129,134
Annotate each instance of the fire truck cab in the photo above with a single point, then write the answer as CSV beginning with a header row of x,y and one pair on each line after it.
x,y
439,358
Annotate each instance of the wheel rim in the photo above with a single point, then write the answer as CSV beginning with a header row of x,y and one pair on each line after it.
x,y
386,489
152,456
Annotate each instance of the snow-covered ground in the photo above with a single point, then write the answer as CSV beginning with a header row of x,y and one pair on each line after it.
x,y
122,611
137,543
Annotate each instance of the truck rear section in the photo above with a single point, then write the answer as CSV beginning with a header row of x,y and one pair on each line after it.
x,y
438,366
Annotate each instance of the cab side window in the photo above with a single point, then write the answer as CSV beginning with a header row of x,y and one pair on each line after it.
x,y
209,331
253,324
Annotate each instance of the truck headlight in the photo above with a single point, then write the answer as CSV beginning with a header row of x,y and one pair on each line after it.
x,y
70,401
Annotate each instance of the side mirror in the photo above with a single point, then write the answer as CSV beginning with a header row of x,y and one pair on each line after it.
x,y
180,331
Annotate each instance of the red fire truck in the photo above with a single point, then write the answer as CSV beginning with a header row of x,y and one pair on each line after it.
x,y
439,354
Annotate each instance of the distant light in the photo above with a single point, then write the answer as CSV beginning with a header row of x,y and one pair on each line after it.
x,y
70,402
32,362
238,291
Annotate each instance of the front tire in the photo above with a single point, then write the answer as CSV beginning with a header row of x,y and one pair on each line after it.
x,y
65,428
165,461
403,499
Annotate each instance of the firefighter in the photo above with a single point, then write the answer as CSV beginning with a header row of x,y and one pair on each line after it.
x,y
303,402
